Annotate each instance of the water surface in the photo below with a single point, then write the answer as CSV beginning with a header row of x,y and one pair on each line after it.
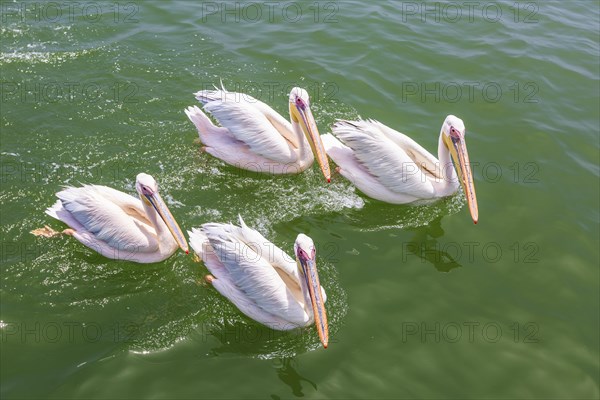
x,y
421,302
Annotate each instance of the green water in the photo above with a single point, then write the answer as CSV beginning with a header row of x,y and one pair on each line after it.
x,y
421,302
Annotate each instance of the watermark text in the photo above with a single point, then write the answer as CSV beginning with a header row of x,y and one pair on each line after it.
x,y
68,92
63,12
269,12
469,332
469,11
470,91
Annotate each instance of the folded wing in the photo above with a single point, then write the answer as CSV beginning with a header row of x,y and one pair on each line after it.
x,y
395,160
251,122
248,271
107,215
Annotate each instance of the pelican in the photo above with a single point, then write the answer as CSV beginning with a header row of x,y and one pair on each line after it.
x,y
118,225
260,279
255,137
389,166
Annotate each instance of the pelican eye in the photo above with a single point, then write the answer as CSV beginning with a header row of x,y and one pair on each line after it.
x,y
454,132
146,191
302,254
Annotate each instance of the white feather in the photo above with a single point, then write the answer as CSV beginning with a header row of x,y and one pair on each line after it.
x,y
116,224
384,157
252,135
389,166
253,273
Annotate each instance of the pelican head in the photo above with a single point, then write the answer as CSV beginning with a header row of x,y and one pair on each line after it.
x,y
147,188
301,114
305,251
453,134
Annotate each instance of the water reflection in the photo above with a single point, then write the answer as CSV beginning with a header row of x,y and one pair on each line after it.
x,y
288,374
378,216
423,220
425,245
236,335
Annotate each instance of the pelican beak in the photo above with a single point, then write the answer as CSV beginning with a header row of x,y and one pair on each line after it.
x,y
301,113
458,151
309,267
161,208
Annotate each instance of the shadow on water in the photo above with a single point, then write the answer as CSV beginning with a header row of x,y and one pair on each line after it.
x,y
377,216
228,332
424,221
288,374
424,244
237,335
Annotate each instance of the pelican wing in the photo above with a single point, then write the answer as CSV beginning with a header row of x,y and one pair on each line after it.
x,y
251,122
278,258
393,158
426,162
108,215
247,266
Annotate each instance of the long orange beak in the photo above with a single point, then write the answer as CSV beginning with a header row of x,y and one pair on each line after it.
x,y
309,268
161,208
460,156
301,113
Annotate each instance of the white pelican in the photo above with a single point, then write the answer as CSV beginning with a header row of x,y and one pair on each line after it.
x,y
255,137
389,166
260,279
118,225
